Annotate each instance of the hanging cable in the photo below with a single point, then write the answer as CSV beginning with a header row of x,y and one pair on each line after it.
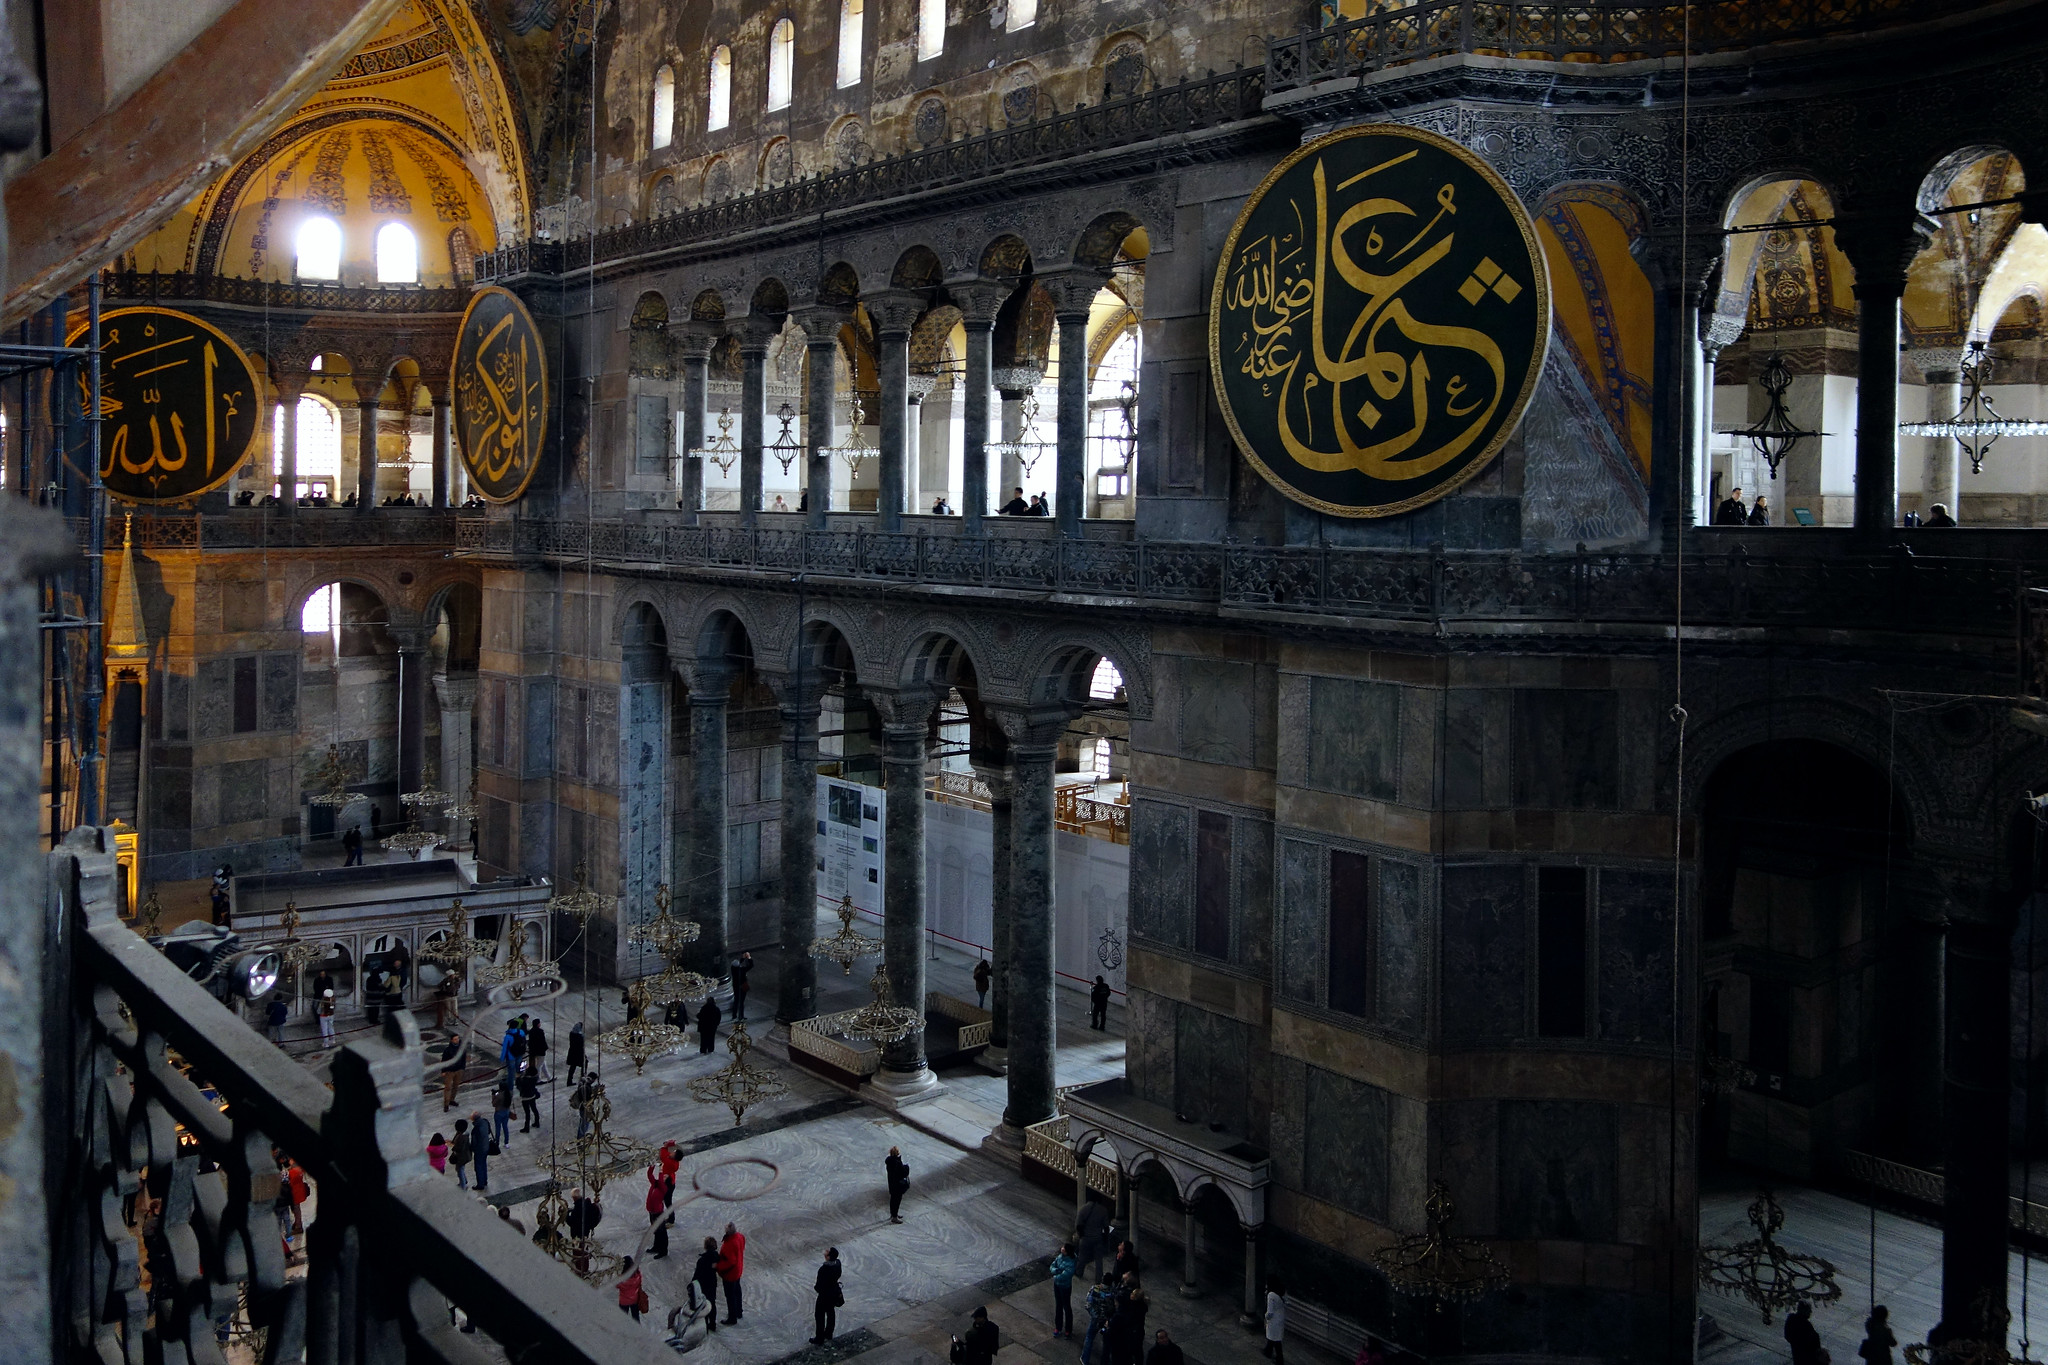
x,y
1687,387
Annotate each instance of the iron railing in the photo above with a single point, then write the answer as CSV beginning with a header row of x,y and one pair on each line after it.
x,y
181,286
176,1241
1732,587
305,528
1586,32
1190,106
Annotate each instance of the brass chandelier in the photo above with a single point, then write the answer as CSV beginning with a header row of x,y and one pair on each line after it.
x,y
1976,424
639,1037
858,450
786,447
581,905
723,451
412,840
293,952
738,1085
518,967
1438,1265
333,775
587,1163
428,798
664,933
456,948
1771,1278
849,945
881,1020
1775,433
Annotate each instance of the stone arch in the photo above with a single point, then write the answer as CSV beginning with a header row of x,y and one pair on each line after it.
x,y
1099,242
638,622
1241,1201
1121,70
1861,733
918,267
937,656
1060,662
840,284
719,631
770,298
661,197
823,651
311,578
1007,257
708,306
647,337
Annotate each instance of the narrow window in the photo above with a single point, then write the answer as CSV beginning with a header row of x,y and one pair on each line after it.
x,y
721,88
319,249
1212,885
1561,952
398,255
245,695
931,29
849,42
664,124
1023,14
781,63
1350,933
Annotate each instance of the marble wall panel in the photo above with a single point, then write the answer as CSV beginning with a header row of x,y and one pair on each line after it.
x,y
1303,920
1634,988
1162,870
214,699
1354,740
536,627
1485,948
1404,962
537,737
1148,1047
1566,749
280,692
1467,1160
1558,1169
1211,1068
1345,1142
1477,765
174,723
244,791
1254,930
170,798
1283,1124
1217,720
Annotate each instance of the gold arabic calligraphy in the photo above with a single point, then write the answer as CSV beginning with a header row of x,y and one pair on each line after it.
x,y
171,398
1283,284
501,390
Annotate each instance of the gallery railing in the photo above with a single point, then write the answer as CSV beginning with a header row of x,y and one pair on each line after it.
x,y
177,1242
256,528
1596,32
1897,591
1191,105
180,286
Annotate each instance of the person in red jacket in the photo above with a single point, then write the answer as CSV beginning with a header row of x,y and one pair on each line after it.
x,y
732,1263
630,1292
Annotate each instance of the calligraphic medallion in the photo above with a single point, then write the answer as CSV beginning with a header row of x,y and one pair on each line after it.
x,y
1379,320
501,394
179,404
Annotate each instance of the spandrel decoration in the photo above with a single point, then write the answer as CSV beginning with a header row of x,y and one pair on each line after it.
x,y
1378,322
501,394
179,405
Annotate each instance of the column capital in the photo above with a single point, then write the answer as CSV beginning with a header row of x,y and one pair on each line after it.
x,y
979,300
1030,729
807,698
1073,289
998,778
896,311
1881,247
694,340
289,382
755,332
1938,364
411,639
903,711
821,322
918,387
1719,331
1014,381
457,691
708,682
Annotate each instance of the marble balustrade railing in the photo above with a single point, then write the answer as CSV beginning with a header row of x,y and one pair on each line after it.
x,y
977,1025
816,1037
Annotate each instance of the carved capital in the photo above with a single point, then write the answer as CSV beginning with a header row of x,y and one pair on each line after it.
x,y
1073,289
821,322
1938,364
1014,381
1033,731
896,311
903,712
794,697
707,681
1881,248
979,301
455,691
694,340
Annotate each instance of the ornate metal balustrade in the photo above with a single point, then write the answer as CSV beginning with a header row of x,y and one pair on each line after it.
x,y
1596,32
309,528
1208,102
176,1104
1732,588
180,286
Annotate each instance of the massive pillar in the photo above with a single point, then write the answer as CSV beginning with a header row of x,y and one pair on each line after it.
x,y
905,730
754,339
704,871
979,301
1940,479
694,343
414,667
894,312
444,474
1679,273
1034,739
996,777
456,693
643,799
1880,249
797,981
366,455
1976,1080
916,388
1073,294
821,326
288,389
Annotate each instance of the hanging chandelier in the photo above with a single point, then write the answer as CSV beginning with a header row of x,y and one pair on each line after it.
x,y
1976,424
466,810
517,966
1986,1348
881,1020
1437,1265
738,1085
1027,449
786,447
581,905
723,451
293,953
1775,433
455,948
333,778
849,945
1771,1278
664,933
428,798
639,1037
412,840
858,450
592,1160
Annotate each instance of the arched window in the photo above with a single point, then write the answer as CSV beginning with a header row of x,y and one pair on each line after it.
x,y
720,111
1112,418
319,249
1106,681
319,453
398,255
781,63
462,254
663,127
931,29
849,42
1022,14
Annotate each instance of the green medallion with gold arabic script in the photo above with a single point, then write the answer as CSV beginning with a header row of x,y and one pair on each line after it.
x,y
1379,320
179,405
501,394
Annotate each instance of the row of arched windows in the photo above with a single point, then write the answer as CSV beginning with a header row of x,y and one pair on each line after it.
x,y
931,41
318,248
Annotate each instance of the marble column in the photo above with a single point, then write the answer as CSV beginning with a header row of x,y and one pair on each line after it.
x,y
797,978
894,313
366,456
1014,384
287,447
1190,1288
1002,897
694,346
414,668
979,301
916,388
1252,1316
444,474
905,731
1880,250
643,803
1033,1022
754,339
821,373
1941,472
704,881
456,692
1073,294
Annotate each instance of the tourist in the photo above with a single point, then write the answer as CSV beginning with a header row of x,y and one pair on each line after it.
x,y
732,1263
295,1183
1101,1308
512,1051
1800,1335
459,1153
444,1000
830,1297
1276,1320
1164,1352
1016,506
1126,1262
275,1015
325,1011
1730,511
505,1217
481,1145
671,1158
705,1278
537,1050
632,1298
394,997
675,1014
1038,507
980,1345
982,974
529,1098
572,1060
373,996
1937,515
437,1153
1760,513
940,507
1092,1228
453,1056
1063,1267
1098,1003
1878,1340
581,1099
323,981
897,1171
1127,1327
707,1026
663,1222
655,1204
780,505
584,1214
742,968
501,1112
